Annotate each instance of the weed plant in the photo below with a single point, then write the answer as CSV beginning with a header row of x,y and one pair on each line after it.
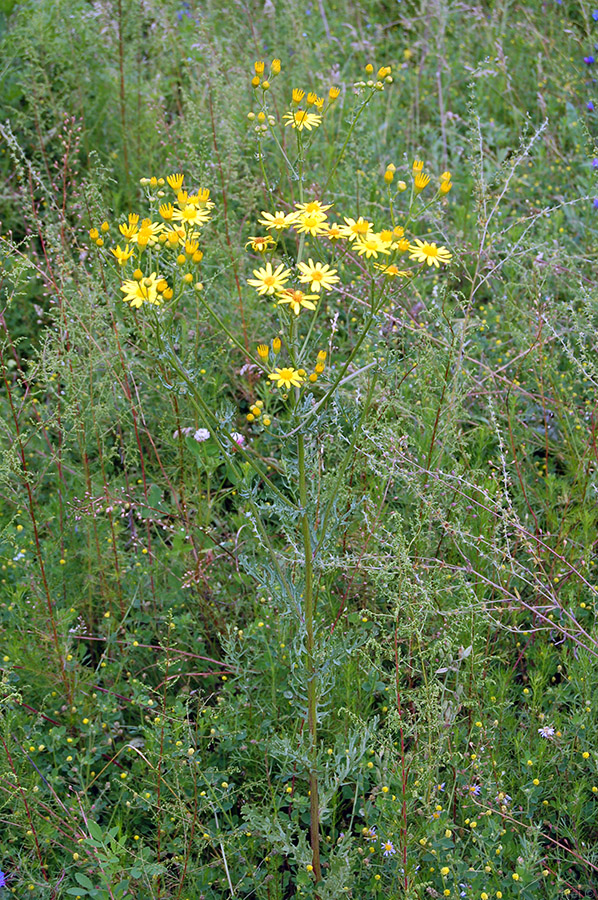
x,y
298,459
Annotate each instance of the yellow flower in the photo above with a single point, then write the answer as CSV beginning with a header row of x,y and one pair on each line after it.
x,y
298,95
417,166
259,67
128,229
275,67
202,198
333,93
425,252
261,243
278,221
269,281
262,351
286,377
94,234
421,181
122,255
144,290
311,98
191,215
166,210
445,187
175,181
312,206
148,231
446,176
302,119
356,228
393,271
370,245
311,223
296,299
333,231
317,275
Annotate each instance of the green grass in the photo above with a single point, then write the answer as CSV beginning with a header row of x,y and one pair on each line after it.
x,y
386,598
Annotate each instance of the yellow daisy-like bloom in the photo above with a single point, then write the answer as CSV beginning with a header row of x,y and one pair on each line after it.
x,y
175,181
191,215
425,252
393,271
143,291
202,198
268,280
122,255
129,229
333,232
446,176
421,181
313,206
297,299
301,119
311,223
278,220
356,228
286,377
445,187
298,95
417,166
166,210
175,236
147,232
333,93
261,243
370,245
263,350
317,275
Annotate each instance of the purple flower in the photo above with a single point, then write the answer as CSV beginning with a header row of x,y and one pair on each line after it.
x,y
2,879
590,106
589,60
595,163
595,202
595,15
389,848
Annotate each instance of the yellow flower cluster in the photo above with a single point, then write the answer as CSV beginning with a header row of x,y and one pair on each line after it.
x,y
383,77
164,248
300,116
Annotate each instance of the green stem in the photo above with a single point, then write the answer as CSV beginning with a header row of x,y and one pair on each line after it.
x,y
310,664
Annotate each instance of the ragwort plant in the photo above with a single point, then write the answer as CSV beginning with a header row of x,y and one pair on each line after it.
x,y
300,380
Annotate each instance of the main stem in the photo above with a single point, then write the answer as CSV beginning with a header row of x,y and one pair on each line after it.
x,y
308,598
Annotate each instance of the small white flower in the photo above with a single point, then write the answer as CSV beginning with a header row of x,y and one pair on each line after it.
x,y
201,435
547,731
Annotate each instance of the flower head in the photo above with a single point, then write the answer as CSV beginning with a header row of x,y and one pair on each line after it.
x,y
122,255
278,220
317,275
268,280
421,181
297,300
388,848
261,243
175,181
370,245
356,228
301,119
286,377
425,252
311,223
144,290
547,731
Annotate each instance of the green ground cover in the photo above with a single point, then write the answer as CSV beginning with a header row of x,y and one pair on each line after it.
x,y
298,542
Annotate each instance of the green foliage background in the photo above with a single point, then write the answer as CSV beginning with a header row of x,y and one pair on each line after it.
x,y
153,697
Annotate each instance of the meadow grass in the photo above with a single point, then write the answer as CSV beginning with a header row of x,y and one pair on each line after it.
x,y
297,543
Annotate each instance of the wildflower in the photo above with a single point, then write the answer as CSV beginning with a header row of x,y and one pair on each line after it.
x,y
269,281
298,95
393,271
94,234
297,299
423,252
2,879
356,228
475,789
370,833
333,93
302,119
128,229
445,187
333,232
286,377
589,60
276,345
202,198
147,232
175,181
317,275
421,181
275,67
312,206
388,848
262,243
263,351
417,166
547,731
370,245
278,221
590,106
140,291
259,67
122,255
389,176
238,438
191,215
311,223
166,210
